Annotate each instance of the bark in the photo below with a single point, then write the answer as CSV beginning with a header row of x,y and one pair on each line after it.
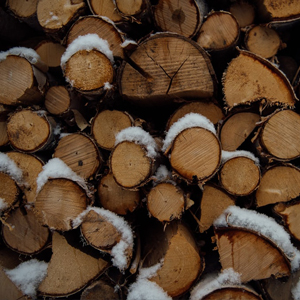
x,y
115,198
99,290
164,67
219,32
182,17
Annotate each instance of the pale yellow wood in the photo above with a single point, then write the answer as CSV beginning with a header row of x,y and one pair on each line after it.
x,y
50,53
130,7
105,8
22,9
244,12
57,100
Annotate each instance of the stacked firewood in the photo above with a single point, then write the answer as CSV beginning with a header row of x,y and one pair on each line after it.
x,y
149,149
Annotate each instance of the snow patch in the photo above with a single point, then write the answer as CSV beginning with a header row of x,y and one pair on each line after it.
x,y
8,166
28,275
213,282
3,204
145,289
128,42
118,252
226,155
139,136
162,173
107,86
24,52
87,42
56,168
235,216
188,121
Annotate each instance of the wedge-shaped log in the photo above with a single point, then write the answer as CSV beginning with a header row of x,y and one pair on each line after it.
x,y
164,67
71,266
182,17
115,198
25,234
175,249
251,78
280,183
254,245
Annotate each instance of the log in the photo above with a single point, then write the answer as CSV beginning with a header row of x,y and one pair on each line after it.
x,y
99,290
210,110
105,8
9,192
3,134
243,11
30,166
131,8
163,67
194,149
279,135
179,16
219,32
115,198
182,262
70,266
25,234
262,40
214,201
241,84
53,19
104,28
166,201
279,183
107,124
30,131
236,128
240,175
21,82
80,153
246,245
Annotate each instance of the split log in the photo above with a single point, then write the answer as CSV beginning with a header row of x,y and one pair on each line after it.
x,y
184,18
280,183
80,153
22,83
109,233
262,40
30,166
243,11
30,131
107,124
99,290
289,212
236,128
214,201
131,8
166,201
115,198
50,53
219,32
25,234
278,11
175,249
164,67
9,192
70,266
59,202
251,78
209,110
54,19
249,243
240,175
87,64
100,26
279,135
105,8
193,148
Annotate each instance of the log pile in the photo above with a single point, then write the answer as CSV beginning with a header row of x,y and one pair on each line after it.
x,y
149,149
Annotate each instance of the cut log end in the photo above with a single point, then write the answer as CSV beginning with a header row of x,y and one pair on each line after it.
x,y
130,7
105,8
196,154
50,53
57,100
244,12
9,191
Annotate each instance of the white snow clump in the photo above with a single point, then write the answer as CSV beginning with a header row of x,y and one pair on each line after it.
x,y
24,52
226,155
8,166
